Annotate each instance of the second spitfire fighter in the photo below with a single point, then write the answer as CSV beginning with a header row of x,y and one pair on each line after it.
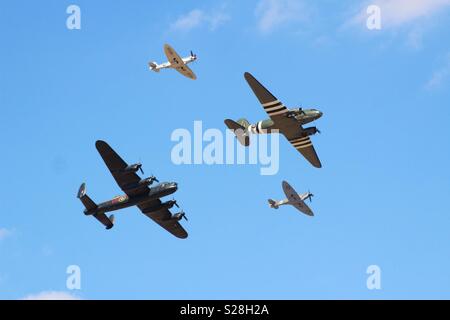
x,y
289,122
294,199
137,193
175,62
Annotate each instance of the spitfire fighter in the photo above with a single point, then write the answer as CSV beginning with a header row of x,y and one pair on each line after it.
x,y
138,192
294,199
289,122
175,62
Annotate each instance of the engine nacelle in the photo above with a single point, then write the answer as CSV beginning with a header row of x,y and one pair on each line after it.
x,y
178,216
310,131
165,205
143,182
132,167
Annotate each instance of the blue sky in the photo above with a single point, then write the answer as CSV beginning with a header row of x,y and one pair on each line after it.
x,y
381,196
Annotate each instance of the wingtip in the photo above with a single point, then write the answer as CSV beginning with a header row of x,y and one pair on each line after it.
x,y
100,144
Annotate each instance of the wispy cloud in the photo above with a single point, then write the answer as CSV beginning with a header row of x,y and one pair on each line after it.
x,y
440,75
52,295
5,233
395,13
272,14
197,18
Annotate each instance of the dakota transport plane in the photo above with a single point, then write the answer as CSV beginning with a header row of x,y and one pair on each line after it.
x,y
289,122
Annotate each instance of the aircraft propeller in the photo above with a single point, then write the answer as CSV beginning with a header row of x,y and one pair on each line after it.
x,y
139,167
175,203
193,54
310,195
183,215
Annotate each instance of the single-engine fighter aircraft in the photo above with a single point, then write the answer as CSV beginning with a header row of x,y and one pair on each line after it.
x,y
294,199
286,121
137,193
175,62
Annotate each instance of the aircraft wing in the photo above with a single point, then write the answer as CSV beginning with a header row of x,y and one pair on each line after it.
x,y
305,147
274,108
177,62
301,206
186,71
295,199
173,57
289,127
117,166
163,218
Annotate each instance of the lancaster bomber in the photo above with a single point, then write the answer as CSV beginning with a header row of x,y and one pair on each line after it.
x,y
138,192
289,122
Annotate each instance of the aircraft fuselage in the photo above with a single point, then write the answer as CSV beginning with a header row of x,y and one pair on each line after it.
x,y
124,201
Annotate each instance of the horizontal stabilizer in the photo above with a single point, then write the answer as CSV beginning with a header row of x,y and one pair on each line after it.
x,y
153,66
272,204
107,222
240,132
87,202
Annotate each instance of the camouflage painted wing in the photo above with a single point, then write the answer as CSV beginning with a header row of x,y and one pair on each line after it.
x,y
163,218
117,166
289,127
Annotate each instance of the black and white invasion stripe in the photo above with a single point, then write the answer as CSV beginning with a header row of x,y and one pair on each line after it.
x,y
274,108
300,143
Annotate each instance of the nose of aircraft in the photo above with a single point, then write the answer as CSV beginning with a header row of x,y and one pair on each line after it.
x,y
319,113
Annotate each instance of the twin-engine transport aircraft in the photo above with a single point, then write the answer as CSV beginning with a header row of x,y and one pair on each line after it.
x,y
175,62
286,121
294,199
137,193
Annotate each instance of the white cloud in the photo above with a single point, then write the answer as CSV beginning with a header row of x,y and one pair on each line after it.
x,y
5,233
272,14
197,18
395,13
52,295
440,75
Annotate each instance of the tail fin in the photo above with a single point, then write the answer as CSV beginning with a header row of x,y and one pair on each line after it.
x,y
153,65
239,128
87,202
272,204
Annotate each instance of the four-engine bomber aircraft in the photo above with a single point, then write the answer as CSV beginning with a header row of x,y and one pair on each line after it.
x,y
294,199
137,193
286,121
175,62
